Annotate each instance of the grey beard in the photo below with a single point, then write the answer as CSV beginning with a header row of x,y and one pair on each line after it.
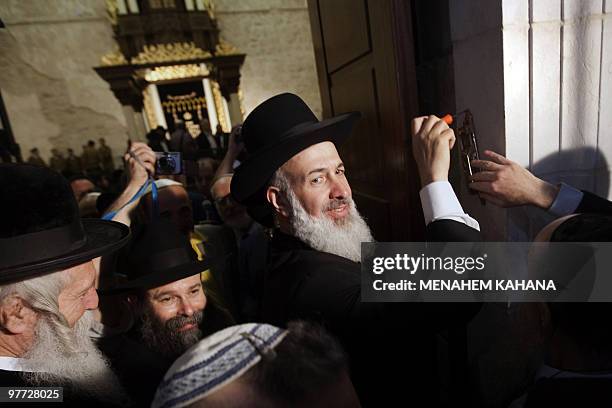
x,y
64,356
341,238
164,337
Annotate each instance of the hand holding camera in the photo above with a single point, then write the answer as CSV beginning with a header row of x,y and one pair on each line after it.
x,y
140,163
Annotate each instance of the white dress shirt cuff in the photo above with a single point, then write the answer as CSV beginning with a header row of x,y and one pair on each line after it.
x,y
440,202
11,363
566,201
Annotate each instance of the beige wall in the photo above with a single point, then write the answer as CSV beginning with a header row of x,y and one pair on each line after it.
x,y
537,76
275,35
55,99
52,95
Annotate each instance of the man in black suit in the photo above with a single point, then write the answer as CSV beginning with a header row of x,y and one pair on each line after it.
x,y
295,180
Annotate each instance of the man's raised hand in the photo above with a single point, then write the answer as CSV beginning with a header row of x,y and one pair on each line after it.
x,y
432,141
142,153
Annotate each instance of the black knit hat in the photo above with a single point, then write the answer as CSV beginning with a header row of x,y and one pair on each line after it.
x,y
40,228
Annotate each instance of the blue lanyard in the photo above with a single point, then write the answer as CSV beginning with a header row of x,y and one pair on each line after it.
x,y
150,182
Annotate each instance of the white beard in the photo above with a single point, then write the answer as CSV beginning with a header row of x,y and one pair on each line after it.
x,y
64,356
342,238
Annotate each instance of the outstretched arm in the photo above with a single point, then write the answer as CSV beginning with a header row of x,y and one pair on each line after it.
x,y
137,176
138,173
507,184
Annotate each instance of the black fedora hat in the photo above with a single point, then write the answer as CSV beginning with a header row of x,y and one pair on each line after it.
x,y
159,254
274,132
41,230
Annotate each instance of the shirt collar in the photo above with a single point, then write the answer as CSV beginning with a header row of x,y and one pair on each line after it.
x,y
11,364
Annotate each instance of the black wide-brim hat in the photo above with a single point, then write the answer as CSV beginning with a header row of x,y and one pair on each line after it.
x,y
160,277
159,254
41,231
274,132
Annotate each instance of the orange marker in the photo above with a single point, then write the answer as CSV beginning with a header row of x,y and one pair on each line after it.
x,y
448,119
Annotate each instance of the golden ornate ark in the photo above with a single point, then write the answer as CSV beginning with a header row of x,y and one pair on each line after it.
x,y
171,65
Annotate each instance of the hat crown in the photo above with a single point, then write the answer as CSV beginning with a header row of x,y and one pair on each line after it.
x,y
157,246
273,119
34,199
41,229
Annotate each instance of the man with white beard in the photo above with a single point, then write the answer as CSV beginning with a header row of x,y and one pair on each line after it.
x,y
47,288
295,180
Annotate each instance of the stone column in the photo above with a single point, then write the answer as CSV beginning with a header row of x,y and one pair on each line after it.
x,y
141,130
235,113
158,109
130,119
227,73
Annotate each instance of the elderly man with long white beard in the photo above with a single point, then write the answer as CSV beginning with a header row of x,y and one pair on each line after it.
x,y
295,180
47,288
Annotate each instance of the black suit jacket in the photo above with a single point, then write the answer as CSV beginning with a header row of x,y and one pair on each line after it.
x,y
570,392
391,346
592,203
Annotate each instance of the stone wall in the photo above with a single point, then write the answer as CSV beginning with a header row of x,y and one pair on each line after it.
x,y
558,96
478,63
55,99
275,35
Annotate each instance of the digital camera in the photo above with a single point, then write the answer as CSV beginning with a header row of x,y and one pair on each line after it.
x,y
168,163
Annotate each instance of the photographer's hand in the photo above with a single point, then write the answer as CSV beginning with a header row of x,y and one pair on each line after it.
x,y
139,164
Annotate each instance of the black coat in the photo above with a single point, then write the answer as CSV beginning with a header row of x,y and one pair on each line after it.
x,y
585,392
391,346
592,203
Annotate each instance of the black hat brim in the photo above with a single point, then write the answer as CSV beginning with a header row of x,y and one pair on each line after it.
x,y
251,177
103,238
159,278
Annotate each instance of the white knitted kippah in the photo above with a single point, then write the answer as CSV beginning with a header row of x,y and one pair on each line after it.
x,y
215,361
163,183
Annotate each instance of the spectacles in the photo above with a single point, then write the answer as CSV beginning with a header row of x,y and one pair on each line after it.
x,y
224,201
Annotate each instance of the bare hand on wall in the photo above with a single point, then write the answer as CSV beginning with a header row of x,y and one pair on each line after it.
x,y
432,141
507,184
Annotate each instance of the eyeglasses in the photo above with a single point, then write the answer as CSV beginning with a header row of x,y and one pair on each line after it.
x,y
224,201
